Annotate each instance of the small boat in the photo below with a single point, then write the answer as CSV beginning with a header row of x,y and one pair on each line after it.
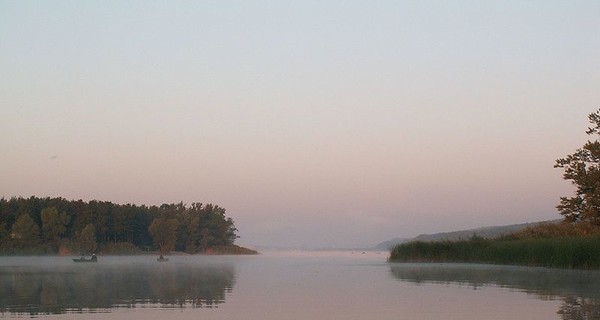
x,y
84,259
162,259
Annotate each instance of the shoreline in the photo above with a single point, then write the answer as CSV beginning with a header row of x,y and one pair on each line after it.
x,y
581,253
221,250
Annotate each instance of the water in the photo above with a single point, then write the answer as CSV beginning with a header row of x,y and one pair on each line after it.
x,y
290,285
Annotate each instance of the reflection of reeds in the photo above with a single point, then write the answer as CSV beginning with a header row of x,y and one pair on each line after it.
x,y
571,252
542,281
575,308
578,289
74,289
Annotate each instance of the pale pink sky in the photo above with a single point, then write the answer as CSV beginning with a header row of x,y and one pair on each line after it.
x,y
315,124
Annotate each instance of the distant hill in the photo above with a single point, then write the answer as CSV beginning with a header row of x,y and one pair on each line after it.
x,y
388,245
484,232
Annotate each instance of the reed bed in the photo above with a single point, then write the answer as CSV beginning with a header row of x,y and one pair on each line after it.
x,y
571,252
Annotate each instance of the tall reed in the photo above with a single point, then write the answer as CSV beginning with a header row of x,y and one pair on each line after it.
x,y
576,252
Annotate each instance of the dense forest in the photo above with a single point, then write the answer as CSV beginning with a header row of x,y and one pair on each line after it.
x,y
52,225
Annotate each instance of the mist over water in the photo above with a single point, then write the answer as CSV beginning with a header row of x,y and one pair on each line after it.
x,y
290,285
58,285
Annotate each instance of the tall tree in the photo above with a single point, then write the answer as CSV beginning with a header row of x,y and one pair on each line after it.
x,y
164,233
583,169
54,224
3,232
25,231
87,239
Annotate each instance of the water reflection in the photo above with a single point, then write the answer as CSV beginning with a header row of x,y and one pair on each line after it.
x,y
98,287
579,291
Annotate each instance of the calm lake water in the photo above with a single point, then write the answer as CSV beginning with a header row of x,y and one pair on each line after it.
x,y
290,285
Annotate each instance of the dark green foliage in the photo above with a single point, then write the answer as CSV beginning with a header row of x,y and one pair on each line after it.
x,y
62,222
87,239
202,227
583,169
582,252
54,224
164,233
25,232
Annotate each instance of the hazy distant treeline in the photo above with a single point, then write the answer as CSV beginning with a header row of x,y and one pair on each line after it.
x,y
47,225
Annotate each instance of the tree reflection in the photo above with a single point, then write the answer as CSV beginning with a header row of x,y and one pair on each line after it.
x,y
578,308
578,290
91,288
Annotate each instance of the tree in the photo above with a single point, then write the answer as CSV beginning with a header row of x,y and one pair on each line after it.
x,y
25,231
3,232
54,224
206,239
188,235
583,169
164,233
87,239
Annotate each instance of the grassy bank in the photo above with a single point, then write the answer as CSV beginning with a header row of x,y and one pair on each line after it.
x,y
575,252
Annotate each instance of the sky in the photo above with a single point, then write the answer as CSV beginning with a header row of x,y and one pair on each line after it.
x,y
315,124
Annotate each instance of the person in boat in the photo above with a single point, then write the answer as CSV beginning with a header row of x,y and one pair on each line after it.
x,y
94,258
161,257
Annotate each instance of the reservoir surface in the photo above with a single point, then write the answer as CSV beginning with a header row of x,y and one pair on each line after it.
x,y
289,285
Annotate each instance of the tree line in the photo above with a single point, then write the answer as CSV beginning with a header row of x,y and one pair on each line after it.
x,y
47,225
